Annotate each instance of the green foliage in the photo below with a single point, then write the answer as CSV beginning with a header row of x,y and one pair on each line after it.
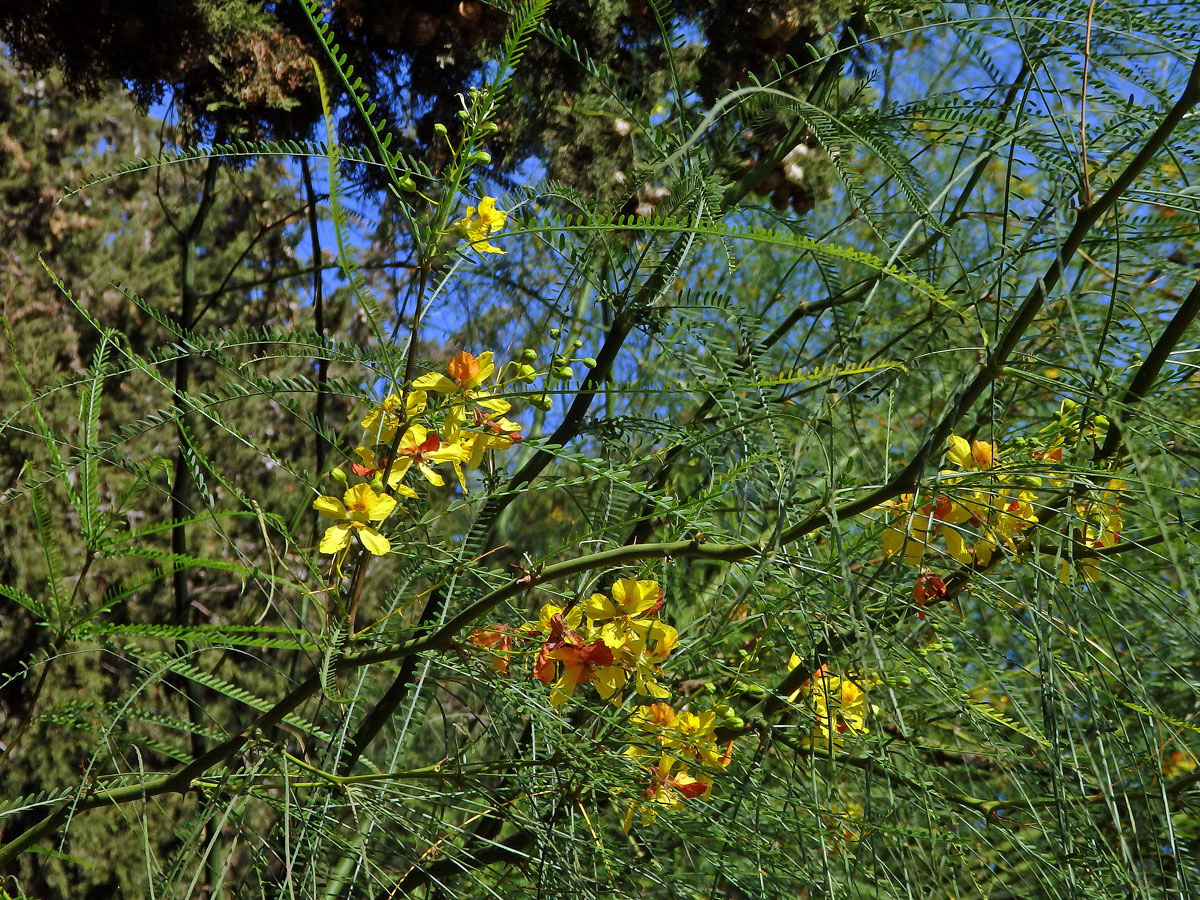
x,y
916,476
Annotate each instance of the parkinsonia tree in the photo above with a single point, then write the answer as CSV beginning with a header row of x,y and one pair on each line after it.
x,y
699,551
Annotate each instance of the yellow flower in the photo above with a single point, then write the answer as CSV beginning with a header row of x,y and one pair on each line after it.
x,y
467,372
359,507
631,598
372,466
905,532
666,791
481,222
971,456
383,420
423,449
838,705
1177,763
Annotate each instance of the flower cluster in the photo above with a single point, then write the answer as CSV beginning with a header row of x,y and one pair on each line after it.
x,y
472,423
608,642
681,752
979,510
1099,526
985,504
616,643
838,706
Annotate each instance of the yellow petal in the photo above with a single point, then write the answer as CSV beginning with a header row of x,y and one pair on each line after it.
x,y
598,607
382,507
330,508
487,366
959,452
375,542
431,476
435,381
608,681
336,538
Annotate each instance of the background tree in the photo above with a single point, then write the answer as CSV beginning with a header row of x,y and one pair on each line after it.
x,y
914,475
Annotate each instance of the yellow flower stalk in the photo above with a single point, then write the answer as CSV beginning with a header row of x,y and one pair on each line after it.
x,y
353,514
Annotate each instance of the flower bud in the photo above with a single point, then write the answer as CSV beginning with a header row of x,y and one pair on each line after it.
x,y
377,485
488,128
564,372
440,129
542,401
528,354
338,475
577,343
526,373
555,332
405,183
480,156
589,362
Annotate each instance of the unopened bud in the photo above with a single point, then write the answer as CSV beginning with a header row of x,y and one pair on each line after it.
x,y
377,485
555,332
338,475
589,362
564,372
440,129
577,343
480,156
542,401
488,128
528,354
405,183
526,373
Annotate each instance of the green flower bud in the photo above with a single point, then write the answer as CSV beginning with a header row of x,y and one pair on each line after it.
x,y
480,156
542,402
555,332
526,373
377,485
577,343
488,128
528,354
338,475
564,372
589,362
462,114
440,129
405,183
